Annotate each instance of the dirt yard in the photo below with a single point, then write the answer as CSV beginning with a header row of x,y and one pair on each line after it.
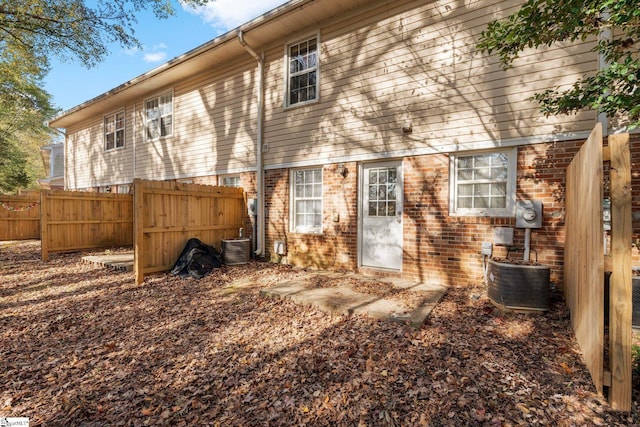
x,y
85,346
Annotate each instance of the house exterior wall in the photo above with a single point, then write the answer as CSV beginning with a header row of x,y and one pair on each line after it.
x,y
416,63
382,68
437,246
214,132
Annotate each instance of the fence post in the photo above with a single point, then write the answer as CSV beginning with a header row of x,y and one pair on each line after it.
x,y
138,230
44,228
620,282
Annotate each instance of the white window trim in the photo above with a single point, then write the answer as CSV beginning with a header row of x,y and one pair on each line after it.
x,y
509,210
287,45
292,203
173,115
124,129
221,179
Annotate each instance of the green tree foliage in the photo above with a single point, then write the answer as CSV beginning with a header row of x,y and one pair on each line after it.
x,y
615,88
31,33
24,108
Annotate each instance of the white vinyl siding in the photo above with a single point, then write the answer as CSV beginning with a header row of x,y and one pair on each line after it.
x,y
159,117
114,131
382,66
88,164
306,201
483,184
302,72
214,126
417,63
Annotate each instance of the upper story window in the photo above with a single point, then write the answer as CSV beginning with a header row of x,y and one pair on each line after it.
x,y
114,131
302,72
306,201
230,181
159,116
483,184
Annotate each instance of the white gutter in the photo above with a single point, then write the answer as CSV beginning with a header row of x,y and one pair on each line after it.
x,y
604,35
135,131
260,238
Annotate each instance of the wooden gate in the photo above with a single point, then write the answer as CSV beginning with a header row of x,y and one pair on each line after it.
x,y
167,214
73,221
20,217
585,261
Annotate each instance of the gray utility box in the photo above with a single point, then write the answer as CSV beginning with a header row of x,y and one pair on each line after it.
x,y
236,251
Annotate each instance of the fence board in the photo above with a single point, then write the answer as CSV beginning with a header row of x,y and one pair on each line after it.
x,y
73,221
621,282
20,217
584,253
168,214
585,262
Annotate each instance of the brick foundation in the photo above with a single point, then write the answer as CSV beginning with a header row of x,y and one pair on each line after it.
x,y
436,246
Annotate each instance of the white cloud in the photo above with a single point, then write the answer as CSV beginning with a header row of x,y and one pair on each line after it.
x,y
131,51
227,14
154,56
159,46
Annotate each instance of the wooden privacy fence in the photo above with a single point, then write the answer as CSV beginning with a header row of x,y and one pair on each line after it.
x,y
585,262
167,214
72,221
20,217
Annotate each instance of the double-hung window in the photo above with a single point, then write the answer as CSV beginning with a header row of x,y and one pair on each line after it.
x,y
302,72
483,184
306,216
159,117
114,131
230,181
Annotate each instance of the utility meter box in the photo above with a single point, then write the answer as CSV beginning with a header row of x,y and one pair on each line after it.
x,y
528,214
252,207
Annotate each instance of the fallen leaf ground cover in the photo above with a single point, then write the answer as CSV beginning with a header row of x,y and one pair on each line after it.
x,y
85,346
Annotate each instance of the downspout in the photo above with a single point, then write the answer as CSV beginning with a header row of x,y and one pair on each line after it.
x,y
135,130
259,163
604,35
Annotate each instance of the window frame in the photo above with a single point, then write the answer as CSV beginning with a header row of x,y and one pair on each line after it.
x,y
287,71
114,116
222,178
293,227
510,192
157,97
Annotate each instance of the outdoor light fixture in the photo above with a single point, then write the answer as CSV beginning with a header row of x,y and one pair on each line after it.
x,y
342,170
407,128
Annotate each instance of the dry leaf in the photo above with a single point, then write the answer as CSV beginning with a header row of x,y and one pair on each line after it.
x,y
86,346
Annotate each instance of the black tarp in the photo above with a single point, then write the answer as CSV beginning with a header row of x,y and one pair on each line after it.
x,y
197,259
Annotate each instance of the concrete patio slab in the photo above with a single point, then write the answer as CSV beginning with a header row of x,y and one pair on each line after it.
x,y
121,261
344,300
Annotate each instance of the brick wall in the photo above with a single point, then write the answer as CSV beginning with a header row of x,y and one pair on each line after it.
x,y
336,247
436,246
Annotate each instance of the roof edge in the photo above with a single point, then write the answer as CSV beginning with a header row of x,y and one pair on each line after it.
x,y
230,35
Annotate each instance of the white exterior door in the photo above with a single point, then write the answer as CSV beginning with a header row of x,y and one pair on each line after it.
x,y
381,204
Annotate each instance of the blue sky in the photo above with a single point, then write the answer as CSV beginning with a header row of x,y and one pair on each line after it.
x,y
71,84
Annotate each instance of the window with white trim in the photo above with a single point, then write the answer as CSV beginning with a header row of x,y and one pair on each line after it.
x,y
306,200
302,72
230,181
114,131
483,184
159,117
